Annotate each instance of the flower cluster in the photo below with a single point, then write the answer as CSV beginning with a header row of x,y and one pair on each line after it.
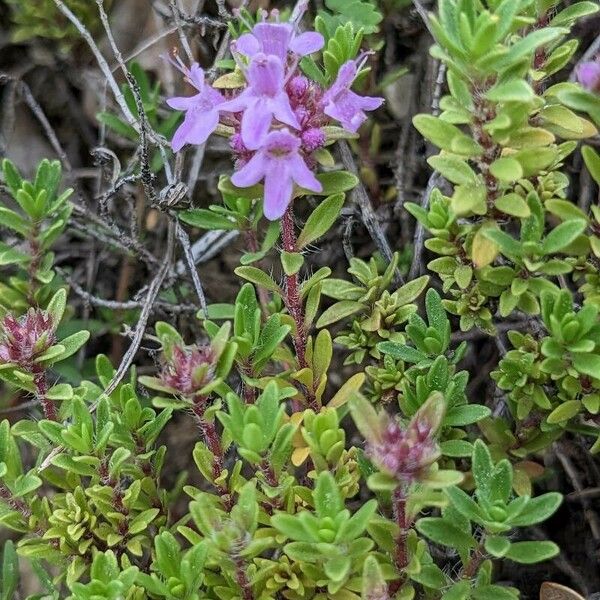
x,y
188,369
278,115
405,452
588,75
23,339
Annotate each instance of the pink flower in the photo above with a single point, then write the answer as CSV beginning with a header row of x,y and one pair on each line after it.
x,y
277,39
188,369
405,453
280,164
588,75
24,339
344,105
201,110
263,100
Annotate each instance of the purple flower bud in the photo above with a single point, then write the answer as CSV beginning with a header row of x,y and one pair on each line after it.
x,y
237,145
588,75
188,369
312,139
25,338
405,453
298,86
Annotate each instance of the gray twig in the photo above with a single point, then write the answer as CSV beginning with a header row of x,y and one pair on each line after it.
x,y
184,240
152,293
369,218
419,238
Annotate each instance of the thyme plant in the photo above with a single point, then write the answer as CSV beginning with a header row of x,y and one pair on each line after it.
x,y
339,452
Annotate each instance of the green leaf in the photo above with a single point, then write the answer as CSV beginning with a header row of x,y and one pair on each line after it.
x,y
11,176
562,235
482,468
117,125
10,219
338,311
454,169
574,12
456,448
592,162
495,592
497,545
333,183
528,553
466,414
530,43
445,135
465,505
337,569
506,169
327,497
373,582
258,277
538,509
442,532
321,220
72,344
56,306
507,244
10,571
402,352
515,90
206,219
513,204
565,411
291,262
587,364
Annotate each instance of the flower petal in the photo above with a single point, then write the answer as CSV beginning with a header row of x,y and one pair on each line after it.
x,y
303,176
255,123
282,111
196,76
247,44
182,102
307,43
371,102
180,136
278,189
274,38
204,124
251,173
237,104
265,75
588,75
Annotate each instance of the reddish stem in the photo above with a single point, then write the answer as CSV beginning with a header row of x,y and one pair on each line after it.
x,y
210,435
36,257
292,298
41,387
269,473
399,500
15,503
293,301
471,568
242,579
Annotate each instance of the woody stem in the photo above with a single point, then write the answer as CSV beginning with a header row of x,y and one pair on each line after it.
x,y
292,298
41,389
399,500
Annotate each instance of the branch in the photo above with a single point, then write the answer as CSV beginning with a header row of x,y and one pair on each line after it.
x,y
369,218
